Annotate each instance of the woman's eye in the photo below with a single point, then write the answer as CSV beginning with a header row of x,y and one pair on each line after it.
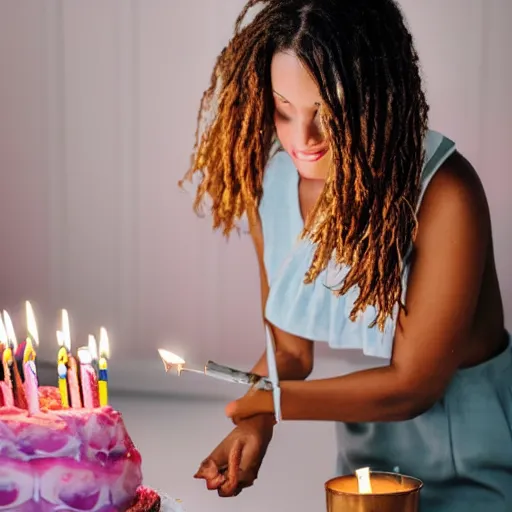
x,y
282,116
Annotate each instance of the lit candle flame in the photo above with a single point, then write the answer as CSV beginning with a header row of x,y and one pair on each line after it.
x,y
171,360
66,333
3,333
93,347
363,481
63,350
7,357
31,323
11,335
104,348
84,356
63,341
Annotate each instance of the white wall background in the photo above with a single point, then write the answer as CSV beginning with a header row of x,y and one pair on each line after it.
x,y
98,102
97,113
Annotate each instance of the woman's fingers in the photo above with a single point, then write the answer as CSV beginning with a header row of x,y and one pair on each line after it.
x,y
251,404
207,470
230,485
210,470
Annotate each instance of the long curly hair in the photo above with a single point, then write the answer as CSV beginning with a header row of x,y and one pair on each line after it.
x,y
374,114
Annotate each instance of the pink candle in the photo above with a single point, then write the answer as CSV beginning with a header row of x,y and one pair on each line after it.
x,y
20,399
6,384
8,398
31,387
88,379
74,387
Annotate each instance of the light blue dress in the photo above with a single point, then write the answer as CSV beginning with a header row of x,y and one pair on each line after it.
x,y
462,447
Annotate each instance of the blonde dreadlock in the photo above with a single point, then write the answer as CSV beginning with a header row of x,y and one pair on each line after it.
x,y
362,57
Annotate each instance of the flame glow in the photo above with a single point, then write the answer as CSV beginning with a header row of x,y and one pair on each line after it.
x,y
171,360
3,333
363,481
31,323
93,347
60,339
9,328
66,333
104,348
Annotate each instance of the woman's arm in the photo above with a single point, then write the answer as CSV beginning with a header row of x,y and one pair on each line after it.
x,y
294,355
431,340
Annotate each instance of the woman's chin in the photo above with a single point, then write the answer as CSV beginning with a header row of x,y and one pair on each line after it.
x,y
311,172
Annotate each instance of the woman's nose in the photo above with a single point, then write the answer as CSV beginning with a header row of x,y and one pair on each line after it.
x,y
307,134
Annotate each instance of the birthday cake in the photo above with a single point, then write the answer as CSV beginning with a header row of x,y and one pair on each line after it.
x,y
69,460
64,448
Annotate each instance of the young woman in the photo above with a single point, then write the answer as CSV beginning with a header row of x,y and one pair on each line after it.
x,y
372,233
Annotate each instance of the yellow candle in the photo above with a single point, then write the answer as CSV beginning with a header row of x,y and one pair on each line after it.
x,y
104,351
29,353
62,370
7,361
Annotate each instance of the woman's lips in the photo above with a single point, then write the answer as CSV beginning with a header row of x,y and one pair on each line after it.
x,y
309,156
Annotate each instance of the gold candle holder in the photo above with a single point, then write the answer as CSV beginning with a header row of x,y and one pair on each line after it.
x,y
391,492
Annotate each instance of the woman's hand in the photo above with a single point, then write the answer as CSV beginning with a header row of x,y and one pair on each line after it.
x,y
235,462
251,404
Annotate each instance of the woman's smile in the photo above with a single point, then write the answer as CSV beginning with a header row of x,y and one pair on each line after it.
x,y
309,156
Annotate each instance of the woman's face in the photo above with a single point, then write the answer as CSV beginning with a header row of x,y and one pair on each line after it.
x,y
297,116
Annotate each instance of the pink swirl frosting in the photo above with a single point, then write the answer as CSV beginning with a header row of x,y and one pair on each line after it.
x,y
66,460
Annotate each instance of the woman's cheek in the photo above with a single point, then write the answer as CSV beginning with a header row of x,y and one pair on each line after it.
x,y
283,134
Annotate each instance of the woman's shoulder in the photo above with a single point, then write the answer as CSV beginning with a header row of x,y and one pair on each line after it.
x,y
455,197
457,179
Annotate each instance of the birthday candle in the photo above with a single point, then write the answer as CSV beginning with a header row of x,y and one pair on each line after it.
x,y
8,398
31,387
88,379
20,399
31,384
74,386
62,370
72,371
7,359
104,351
